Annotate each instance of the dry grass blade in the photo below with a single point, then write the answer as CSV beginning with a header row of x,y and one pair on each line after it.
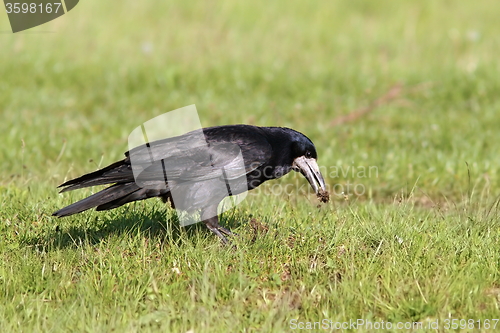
x,y
393,93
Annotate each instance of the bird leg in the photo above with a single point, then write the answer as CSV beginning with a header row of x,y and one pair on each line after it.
x,y
214,226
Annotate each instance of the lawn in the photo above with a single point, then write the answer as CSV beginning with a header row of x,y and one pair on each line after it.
x,y
399,97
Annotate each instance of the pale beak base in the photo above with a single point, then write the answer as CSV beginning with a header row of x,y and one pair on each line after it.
x,y
310,169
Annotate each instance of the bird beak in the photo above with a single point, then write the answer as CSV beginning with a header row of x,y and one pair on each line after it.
x,y
310,169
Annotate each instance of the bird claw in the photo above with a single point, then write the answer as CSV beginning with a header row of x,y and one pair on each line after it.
x,y
220,231
227,232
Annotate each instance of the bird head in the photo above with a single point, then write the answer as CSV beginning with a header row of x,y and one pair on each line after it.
x,y
297,152
305,161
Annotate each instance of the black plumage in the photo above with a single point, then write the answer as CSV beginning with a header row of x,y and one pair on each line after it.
x,y
198,177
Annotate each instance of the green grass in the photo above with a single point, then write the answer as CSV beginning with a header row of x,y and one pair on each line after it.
x,y
420,243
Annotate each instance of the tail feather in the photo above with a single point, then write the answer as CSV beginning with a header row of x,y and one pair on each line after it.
x,y
103,197
119,172
123,190
140,194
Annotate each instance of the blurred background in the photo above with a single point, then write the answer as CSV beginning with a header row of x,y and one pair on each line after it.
x,y
410,87
401,99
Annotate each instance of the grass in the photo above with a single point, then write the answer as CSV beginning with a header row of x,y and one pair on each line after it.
x,y
418,241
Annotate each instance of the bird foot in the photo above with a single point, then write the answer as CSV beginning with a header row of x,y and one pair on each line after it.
x,y
220,231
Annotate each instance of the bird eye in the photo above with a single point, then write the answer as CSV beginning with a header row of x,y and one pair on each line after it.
x,y
308,154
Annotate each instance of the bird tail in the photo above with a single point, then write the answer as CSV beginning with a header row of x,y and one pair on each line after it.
x,y
101,199
114,173
113,197
123,191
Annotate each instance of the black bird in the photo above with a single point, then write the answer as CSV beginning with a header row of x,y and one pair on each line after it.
x,y
198,177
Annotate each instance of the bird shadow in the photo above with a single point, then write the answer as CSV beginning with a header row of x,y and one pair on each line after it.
x,y
160,224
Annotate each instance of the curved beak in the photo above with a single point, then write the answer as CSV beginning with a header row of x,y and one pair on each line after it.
x,y
310,169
